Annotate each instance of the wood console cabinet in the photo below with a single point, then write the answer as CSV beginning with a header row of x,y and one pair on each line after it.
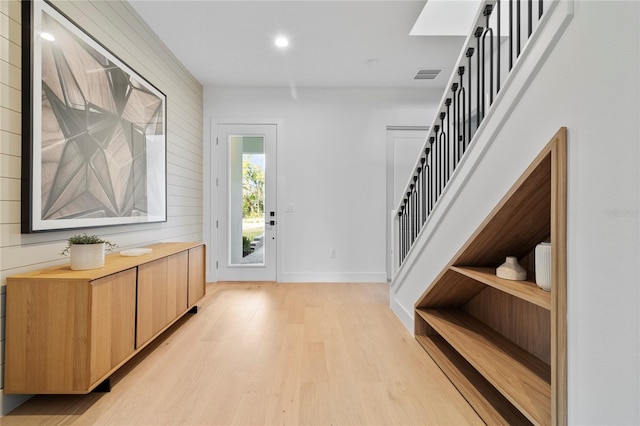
x,y
68,331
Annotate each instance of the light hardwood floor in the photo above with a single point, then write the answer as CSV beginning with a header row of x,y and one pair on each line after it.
x,y
273,354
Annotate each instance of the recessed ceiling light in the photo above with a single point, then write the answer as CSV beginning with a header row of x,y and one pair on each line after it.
x,y
47,36
282,42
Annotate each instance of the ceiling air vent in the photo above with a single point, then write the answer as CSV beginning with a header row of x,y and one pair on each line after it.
x,y
426,74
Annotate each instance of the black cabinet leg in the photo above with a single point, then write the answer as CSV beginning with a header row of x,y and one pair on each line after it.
x,y
105,386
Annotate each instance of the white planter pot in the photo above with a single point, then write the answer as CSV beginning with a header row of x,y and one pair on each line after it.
x,y
543,266
86,256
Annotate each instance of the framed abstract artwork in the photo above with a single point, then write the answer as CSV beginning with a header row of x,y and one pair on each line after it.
x,y
94,131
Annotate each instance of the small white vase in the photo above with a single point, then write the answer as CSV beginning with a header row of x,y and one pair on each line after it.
x,y
511,270
543,266
86,256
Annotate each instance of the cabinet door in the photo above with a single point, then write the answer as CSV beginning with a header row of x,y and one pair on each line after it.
x,y
177,271
113,304
47,324
196,274
162,294
152,299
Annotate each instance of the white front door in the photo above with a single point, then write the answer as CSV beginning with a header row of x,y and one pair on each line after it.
x,y
247,221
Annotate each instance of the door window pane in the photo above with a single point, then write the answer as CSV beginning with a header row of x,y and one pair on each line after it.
x,y
246,200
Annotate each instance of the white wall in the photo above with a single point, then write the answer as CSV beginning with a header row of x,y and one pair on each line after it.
x,y
118,27
331,168
590,84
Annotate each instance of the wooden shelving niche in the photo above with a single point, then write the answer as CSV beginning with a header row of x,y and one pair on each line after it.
x,y
502,343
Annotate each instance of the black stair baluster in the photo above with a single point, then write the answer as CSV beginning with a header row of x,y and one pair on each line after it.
x,y
510,34
442,148
470,94
498,49
418,202
441,143
429,152
436,164
447,142
456,127
416,218
407,229
462,112
518,28
399,246
423,190
401,232
529,18
419,196
409,217
414,223
488,32
400,239
479,87
410,212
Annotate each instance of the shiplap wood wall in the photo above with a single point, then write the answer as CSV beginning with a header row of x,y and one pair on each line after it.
x,y
122,31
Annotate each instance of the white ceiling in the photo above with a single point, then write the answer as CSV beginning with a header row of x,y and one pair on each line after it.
x,y
333,43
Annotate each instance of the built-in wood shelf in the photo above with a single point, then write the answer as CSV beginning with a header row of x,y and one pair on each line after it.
x,y
525,290
502,343
490,404
523,379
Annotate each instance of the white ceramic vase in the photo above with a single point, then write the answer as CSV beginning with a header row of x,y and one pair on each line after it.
x,y
86,256
511,270
543,266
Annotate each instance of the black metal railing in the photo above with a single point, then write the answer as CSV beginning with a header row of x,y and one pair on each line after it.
x,y
464,107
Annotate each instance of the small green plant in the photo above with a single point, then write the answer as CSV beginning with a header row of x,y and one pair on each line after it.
x,y
246,246
87,239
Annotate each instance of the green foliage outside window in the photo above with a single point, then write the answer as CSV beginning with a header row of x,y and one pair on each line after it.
x,y
252,190
246,246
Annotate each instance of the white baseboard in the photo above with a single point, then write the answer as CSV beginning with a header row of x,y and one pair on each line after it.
x,y
333,277
404,316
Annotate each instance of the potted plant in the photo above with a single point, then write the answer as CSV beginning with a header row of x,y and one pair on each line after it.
x,y
87,251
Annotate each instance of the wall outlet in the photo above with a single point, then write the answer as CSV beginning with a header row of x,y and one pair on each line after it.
x,y
332,253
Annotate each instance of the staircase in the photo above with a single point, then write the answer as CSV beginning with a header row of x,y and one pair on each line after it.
x,y
444,263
